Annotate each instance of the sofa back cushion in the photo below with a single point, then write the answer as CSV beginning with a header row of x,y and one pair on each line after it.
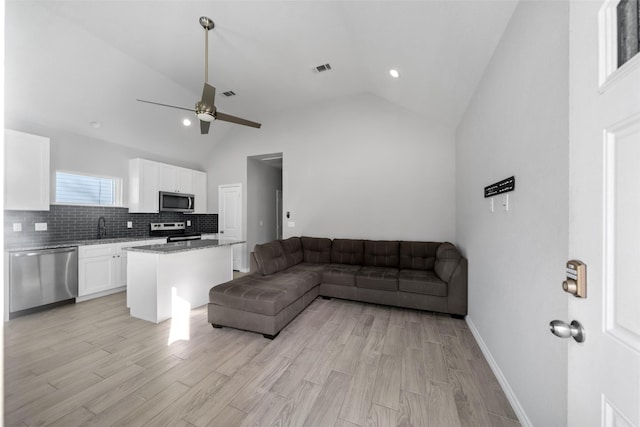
x,y
447,259
381,253
418,255
347,251
316,249
270,257
292,248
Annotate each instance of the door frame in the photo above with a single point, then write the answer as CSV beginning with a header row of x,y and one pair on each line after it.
x,y
240,249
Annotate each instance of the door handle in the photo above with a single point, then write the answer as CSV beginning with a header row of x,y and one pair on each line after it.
x,y
563,330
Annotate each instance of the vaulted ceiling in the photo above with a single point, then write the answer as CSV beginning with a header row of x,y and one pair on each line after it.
x,y
70,63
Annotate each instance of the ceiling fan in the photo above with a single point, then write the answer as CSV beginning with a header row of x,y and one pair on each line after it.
x,y
205,109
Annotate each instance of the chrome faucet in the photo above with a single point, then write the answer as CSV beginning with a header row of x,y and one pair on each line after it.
x,y
102,227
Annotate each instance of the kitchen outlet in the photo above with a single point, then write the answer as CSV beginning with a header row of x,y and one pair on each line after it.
x,y
41,226
17,226
188,223
291,224
129,224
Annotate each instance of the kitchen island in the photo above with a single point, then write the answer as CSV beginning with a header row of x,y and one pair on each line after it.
x,y
166,277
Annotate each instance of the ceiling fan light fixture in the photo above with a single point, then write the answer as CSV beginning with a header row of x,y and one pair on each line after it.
x,y
205,117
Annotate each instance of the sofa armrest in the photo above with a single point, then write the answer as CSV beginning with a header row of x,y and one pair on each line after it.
x,y
458,288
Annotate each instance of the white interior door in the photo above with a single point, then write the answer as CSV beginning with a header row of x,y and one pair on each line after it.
x,y
230,219
604,371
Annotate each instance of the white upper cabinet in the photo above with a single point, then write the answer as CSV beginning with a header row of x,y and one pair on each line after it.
x,y
27,173
176,179
200,192
147,178
143,186
184,180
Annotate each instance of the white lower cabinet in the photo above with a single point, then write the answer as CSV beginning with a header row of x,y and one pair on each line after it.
x,y
102,269
99,269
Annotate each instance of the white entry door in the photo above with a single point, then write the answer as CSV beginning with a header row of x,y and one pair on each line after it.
x,y
604,220
230,219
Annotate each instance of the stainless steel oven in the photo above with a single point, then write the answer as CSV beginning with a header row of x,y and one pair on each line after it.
x,y
173,231
176,202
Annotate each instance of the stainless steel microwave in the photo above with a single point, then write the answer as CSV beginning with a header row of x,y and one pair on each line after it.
x,y
176,202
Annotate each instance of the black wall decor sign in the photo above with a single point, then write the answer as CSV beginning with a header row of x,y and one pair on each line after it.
x,y
499,187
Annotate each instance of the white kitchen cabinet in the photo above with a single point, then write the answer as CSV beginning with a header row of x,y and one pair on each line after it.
x,y
147,178
176,179
143,186
27,171
102,269
99,269
200,192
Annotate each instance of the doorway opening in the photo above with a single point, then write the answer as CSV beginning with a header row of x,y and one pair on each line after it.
x,y
264,199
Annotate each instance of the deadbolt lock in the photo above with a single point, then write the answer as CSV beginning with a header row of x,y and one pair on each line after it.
x,y
576,282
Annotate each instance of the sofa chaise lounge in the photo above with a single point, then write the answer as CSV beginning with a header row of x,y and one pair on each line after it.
x,y
287,275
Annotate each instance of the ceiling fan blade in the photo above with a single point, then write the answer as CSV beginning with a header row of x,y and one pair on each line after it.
x,y
166,105
208,96
233,119
204,127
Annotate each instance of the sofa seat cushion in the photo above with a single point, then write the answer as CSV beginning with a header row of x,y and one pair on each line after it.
x,y
421,282
307,266
379,278
264,294
340,274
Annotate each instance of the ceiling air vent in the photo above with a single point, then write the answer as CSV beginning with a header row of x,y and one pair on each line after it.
x,y
323,67
229,93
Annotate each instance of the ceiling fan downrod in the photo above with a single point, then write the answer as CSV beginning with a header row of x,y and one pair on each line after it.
x,y
207,24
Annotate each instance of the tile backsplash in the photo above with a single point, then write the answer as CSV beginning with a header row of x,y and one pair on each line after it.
x,y
81,223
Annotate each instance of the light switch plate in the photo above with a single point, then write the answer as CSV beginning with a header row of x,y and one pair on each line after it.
x,y
505,202
129,224
188,223
41,226
17,226
291,224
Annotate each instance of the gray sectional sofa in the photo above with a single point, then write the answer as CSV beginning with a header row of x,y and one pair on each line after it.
x,y
287,275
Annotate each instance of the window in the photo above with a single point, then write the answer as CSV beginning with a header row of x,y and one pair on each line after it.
x,y
79,189
628,30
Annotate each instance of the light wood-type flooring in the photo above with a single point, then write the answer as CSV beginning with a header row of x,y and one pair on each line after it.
x,y
339,363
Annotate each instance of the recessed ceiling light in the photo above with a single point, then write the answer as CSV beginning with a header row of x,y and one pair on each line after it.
x,y
94,124
394,73
186,122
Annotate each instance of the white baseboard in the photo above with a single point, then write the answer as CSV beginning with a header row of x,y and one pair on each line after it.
x,y
508,391
101,294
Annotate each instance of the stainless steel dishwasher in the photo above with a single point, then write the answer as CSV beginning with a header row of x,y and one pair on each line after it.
x,y
41,278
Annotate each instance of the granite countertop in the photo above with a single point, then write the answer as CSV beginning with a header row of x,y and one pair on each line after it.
x,y
63,244
189,245
14,247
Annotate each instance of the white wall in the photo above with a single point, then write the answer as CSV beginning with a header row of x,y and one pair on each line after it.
x,y
357,167
517,124
262,182
75,153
